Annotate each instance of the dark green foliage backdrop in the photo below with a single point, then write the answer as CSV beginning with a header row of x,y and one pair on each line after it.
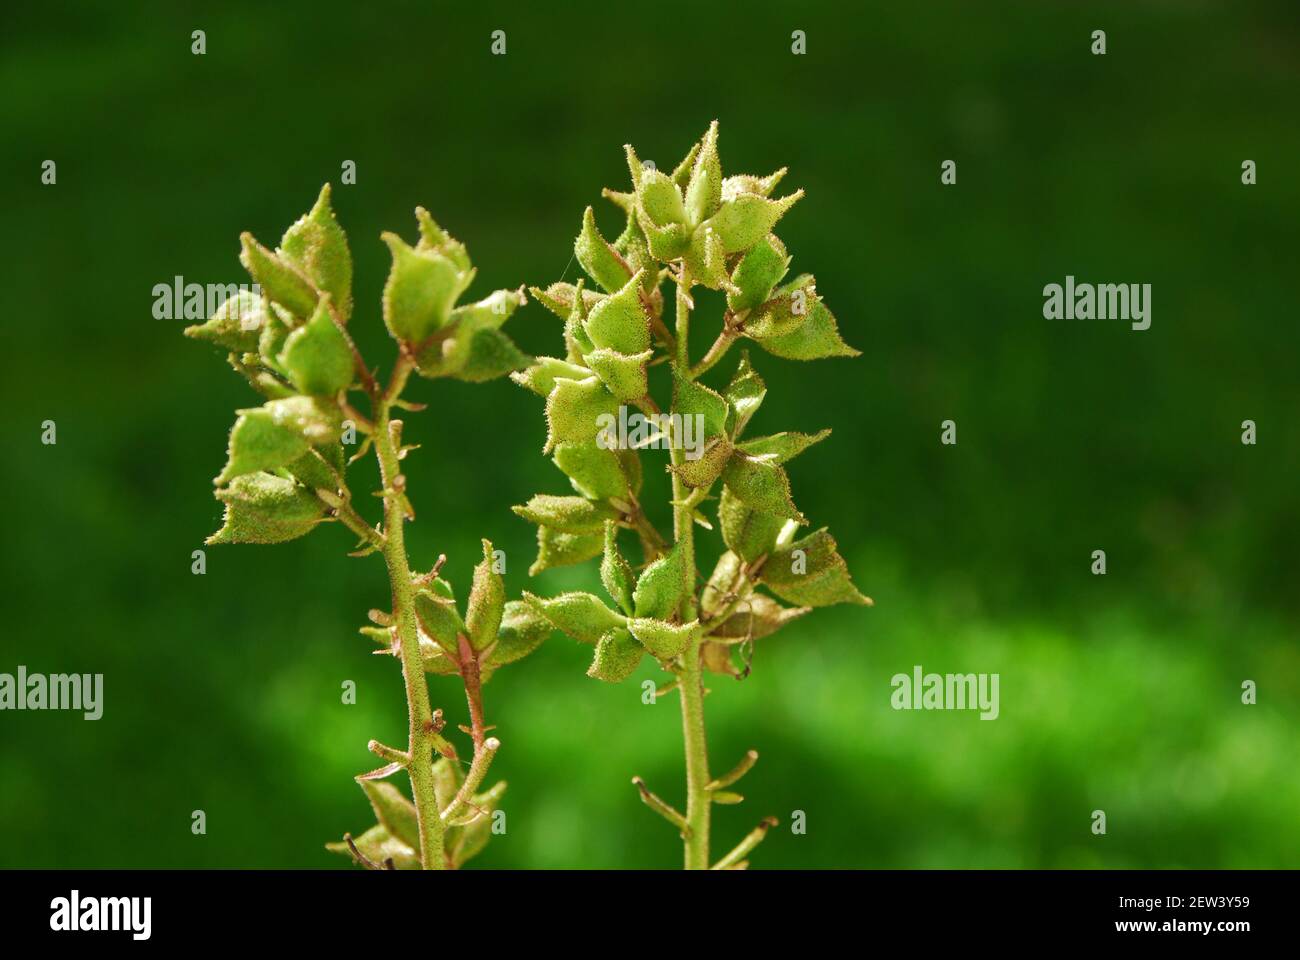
x,y
1120,693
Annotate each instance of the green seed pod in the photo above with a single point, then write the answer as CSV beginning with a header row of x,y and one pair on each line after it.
x,y
733,187
263,508
275,331
817,338
567,514
316,356
747,532
822,579
556,549
706,259
619,322
540,376
615,573
236,325
744,221
596,472
704,192
582,616
744,395
787,311
575,410
276,434
758,273
318,247
522,631
280,281
617,657
487,598
662,639
622,374
761,484
421,288
661,587
660,199
598,258
435,610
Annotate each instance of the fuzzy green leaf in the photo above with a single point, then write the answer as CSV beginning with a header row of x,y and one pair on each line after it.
x,y
692,399
394,812
781,447
660,199
492,354
559,298
596,472
540,376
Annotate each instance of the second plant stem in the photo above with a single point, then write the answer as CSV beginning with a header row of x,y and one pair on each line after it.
x,y
691,687
422,731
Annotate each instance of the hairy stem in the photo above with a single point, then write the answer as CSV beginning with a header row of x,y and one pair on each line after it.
x,y
692,683
420,713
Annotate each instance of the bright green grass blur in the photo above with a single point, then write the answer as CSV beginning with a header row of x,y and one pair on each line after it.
x,y
1119,693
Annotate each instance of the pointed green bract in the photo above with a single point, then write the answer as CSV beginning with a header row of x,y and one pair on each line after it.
x,y
810,572
762,484
558,549
816,339
597,257
435,611
744,395
394,812
263,508
575,410
422,286
617,656
596,472
748,532
624,375
487,600
663,640
236,325
539,377
280,281
744,221
758,273
704,192
619,322
522,631
318,247
661,587
316,356
781,447
615,573
276,434
567,514
582,616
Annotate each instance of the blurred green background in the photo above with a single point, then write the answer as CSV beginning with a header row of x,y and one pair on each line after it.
x,y
1121,693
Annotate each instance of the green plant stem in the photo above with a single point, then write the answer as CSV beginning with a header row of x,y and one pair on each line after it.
x,y
419,711
698,800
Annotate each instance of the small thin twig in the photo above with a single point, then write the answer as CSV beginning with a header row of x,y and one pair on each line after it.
x,y
662,808
739,770
752,839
